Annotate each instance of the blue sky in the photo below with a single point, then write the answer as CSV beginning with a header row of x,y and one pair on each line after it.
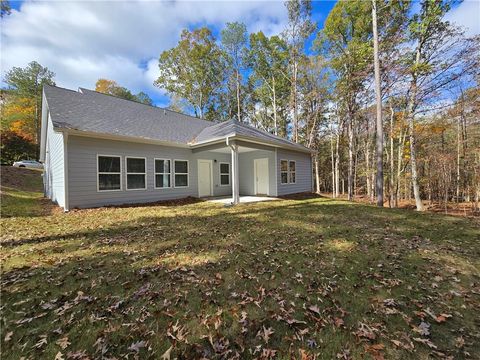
x,y
82,41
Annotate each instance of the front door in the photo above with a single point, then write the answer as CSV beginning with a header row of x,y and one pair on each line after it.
x,y
204,178
261,176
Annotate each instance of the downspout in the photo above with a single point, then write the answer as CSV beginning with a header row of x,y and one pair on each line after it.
x,y
65,172
314,171
235,175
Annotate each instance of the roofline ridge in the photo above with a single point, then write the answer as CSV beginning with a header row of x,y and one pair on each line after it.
x,y
60,87
152,106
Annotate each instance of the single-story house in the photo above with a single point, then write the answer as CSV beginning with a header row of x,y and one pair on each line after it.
x,y
102,150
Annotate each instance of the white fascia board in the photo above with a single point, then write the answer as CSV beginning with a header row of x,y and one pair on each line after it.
x,y
134,139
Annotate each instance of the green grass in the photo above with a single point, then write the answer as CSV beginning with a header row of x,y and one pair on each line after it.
x,y
20,192
207,280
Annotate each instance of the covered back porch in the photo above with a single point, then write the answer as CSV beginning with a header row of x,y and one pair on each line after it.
x,y
249,173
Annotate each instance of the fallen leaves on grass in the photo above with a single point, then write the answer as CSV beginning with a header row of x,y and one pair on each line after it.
x,y
426,342
42,342
136,346
63,342
265,334
234,284
8,336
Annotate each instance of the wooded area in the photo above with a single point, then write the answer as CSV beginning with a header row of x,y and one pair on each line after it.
x,y
414,136
316,86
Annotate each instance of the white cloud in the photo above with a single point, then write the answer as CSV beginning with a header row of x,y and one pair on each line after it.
x,y
82,41
467,15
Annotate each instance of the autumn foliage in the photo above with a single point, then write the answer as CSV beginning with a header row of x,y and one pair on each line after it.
x,y
21,109
15,147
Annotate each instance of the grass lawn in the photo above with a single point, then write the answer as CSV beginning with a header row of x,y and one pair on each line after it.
x,y
288,279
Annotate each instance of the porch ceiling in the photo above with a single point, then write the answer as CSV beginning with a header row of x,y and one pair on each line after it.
x,y
243,146
227,150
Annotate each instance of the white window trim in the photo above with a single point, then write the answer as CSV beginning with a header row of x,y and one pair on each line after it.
x,y
120,173
288,175
187,173
290,172
229,173
127,173
155,173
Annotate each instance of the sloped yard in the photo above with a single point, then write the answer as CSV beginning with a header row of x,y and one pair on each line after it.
x,y
290,278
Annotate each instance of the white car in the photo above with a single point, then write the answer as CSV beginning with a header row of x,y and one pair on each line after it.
x,y
29,164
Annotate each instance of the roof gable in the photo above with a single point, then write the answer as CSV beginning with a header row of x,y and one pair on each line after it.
x,y
238,129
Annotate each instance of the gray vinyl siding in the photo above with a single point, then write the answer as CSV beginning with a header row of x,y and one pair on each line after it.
x,y
54,174
303,172
246,171
82,166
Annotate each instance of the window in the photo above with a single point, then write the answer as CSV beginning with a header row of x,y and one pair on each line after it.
x,y
224,174
109,172
284,171
136,173
181,173
162,173
291,171
287,172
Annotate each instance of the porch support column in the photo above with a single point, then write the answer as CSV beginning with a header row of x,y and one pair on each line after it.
x,y
235,175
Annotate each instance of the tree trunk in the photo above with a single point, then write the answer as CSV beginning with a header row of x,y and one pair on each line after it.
x,y
388,190
337,163
401,145
275,125
457,193
317,173
295,114
378,95
200,106
372,181
367,159
350,159
355,167
238,96
411,128
334,194
367,165
392,161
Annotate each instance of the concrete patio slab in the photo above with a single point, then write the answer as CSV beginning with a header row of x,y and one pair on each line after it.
x,y
227,200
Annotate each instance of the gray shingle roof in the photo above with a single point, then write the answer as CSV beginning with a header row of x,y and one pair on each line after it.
x,y
88,110
91,111
237,128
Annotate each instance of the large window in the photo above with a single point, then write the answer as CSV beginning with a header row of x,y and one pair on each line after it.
x,y
224,174
162,173
136,173
291,171
181,173
109,170
284,171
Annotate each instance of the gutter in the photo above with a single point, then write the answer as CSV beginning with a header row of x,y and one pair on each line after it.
x,y
253,140
114,137
227,138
